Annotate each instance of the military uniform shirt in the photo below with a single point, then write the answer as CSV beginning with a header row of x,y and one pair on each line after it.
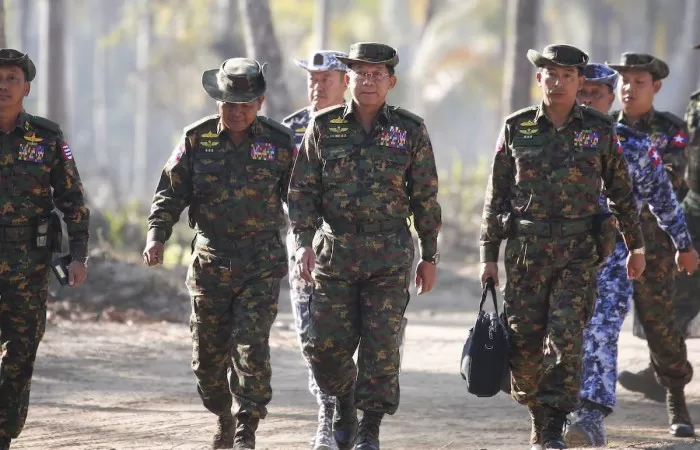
x,y
346,175
669,137
233,191
544,174
297,122
38,172
651,185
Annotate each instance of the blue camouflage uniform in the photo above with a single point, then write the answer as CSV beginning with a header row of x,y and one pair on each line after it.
x,y
300,290
650,185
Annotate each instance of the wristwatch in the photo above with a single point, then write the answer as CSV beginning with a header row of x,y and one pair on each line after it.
x,y
638,251
435,259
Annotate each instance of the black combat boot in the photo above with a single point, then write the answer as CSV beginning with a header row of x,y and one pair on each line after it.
x,y
245,432
223,438
368,436
553,428
678,415
345,421
4,443
643,382
537,416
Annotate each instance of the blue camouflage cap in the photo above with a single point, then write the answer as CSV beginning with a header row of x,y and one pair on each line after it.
x,y
323,60
602,74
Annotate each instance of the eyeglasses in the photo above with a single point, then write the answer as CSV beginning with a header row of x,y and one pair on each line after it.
x,y
377,77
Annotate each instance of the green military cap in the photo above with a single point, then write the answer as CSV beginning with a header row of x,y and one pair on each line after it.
x,y
558,55
641,61
238,80
12,57
371,53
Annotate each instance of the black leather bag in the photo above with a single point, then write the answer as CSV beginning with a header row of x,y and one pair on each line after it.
x,y
484,363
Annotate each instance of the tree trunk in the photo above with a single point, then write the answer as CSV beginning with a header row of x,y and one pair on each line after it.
x,y
3,33
262,44
228,43
685,64
600,14
141,117
321,24
517,77
100,145
52,57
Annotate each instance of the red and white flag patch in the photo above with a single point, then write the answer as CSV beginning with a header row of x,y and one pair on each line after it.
x,y
66,151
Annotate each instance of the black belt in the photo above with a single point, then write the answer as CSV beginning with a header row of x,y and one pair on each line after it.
x,y
237,243
365,227
558,228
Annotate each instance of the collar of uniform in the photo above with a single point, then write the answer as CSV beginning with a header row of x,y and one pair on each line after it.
x,y
576,113
644,121
383,114
255,129
23,121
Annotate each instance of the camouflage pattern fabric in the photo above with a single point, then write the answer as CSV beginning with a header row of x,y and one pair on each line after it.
x,y
300,290
687,286
348,177
652,187
544,175
654,292
38,171
227,199
234,304
297,122
234,194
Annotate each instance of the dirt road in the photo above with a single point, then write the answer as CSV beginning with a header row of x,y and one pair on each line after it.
x,y
115,386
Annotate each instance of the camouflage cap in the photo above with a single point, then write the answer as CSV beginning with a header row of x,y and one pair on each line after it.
x,y
558,55
371,53
641,61
238,80
322,61
601,74
12,57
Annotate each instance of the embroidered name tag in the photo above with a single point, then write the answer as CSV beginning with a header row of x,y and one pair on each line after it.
x,y
263,151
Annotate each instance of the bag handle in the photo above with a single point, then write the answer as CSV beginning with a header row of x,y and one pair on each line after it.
x,y
490,286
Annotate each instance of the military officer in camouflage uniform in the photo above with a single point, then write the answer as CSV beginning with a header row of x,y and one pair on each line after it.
x,y
543,197
600,338
687,286
37,173
363,169
232,170
653,294
325,87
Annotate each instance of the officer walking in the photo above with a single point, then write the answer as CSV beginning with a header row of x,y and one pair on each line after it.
x,y
600,339
325,88
232,170
654,293
687,286
38,173
362,170
543,197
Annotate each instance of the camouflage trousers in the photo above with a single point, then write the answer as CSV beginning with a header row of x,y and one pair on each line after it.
x,y
549,294
359,298
24,281
234,304
655,308
600,338
299,294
